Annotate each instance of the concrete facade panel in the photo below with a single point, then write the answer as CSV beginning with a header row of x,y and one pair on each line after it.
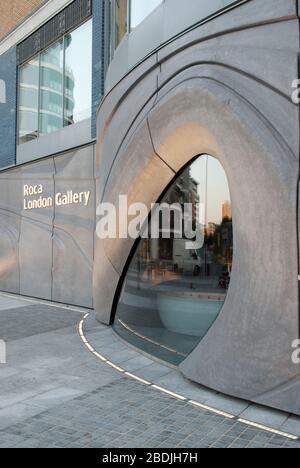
x,y
48,252
35,258
62,140
74,228
224,88
9,252
36,231
113,135
142,40
10,208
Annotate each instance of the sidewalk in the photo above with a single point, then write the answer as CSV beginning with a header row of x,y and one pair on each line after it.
x,y
55,393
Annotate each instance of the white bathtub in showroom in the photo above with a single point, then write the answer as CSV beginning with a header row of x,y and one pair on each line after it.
x,y
189,314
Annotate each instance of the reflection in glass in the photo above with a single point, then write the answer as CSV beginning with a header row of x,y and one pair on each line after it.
x,y
51,89
120,20
140,10
78,74
171,295
55,88
29,101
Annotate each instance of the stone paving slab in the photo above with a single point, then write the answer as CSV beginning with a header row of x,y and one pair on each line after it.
x,y
31,321
292,426
265,416
7,302
101,419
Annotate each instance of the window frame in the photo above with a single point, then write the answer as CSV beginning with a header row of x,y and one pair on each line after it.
x,y
38,56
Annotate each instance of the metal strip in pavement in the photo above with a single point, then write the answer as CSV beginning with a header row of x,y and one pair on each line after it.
x,y
176,395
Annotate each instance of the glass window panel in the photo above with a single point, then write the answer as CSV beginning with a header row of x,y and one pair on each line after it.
x,y
78,75
140,10
28,100
171,295
51,89
120,20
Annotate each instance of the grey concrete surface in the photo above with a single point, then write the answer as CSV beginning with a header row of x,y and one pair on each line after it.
x,y
156,29
49,252
65,139
219,90
55,394
74,228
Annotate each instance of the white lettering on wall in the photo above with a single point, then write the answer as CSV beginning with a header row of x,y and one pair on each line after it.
x,y
30,190
34,199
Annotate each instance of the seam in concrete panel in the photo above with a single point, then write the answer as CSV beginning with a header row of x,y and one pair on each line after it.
x,y
44,158
280,140
125,136
232,68
225,32
196,26
155,152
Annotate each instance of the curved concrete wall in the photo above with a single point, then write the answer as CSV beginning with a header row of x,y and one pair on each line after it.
x,y
169,19
222,89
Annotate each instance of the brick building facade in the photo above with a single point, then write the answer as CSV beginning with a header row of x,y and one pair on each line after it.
x,y
12,12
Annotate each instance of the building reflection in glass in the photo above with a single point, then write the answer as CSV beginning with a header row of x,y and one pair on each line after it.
x,y
78,74
171,296
121,26
51,89
29,101
55,87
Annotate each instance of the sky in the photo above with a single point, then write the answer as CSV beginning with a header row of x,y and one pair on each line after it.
x,y
79,60
217,186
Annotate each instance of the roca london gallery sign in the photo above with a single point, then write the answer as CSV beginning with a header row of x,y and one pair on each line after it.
x,y
34,198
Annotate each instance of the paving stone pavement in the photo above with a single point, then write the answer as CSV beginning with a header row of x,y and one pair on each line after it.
x,y
54,393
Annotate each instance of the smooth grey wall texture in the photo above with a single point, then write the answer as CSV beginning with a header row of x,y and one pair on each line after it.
x,y
222,89
48,253
169,19
8,75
